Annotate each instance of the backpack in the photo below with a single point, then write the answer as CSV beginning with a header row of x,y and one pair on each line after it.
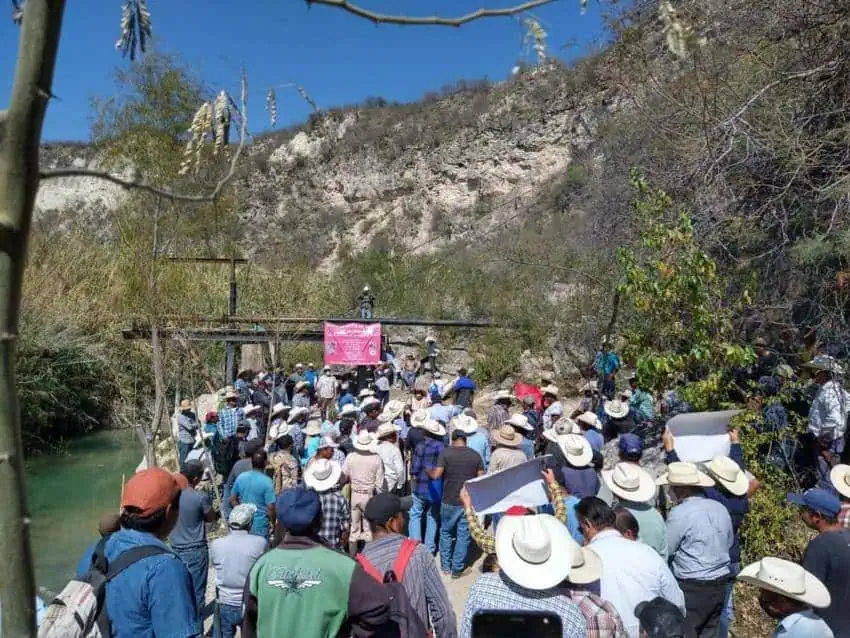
x,y
225,453
79,609
404,621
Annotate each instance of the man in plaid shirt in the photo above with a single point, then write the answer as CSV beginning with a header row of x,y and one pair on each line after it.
x,y
840,477
426,503
229,416
323,476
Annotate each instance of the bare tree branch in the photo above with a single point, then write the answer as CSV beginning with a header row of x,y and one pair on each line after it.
x,y
167,193
380,18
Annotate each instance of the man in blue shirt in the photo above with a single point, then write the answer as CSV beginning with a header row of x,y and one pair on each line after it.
x,y
257,488
153,596
605,365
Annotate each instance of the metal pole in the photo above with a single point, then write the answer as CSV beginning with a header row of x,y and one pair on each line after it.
x,y
230,359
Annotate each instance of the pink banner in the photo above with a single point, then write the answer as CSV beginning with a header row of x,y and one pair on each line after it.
x,y
354,344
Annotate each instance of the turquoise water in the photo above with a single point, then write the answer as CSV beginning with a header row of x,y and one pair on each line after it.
x,y
69,493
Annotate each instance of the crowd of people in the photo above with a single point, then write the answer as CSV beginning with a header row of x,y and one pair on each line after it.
x,y
349,512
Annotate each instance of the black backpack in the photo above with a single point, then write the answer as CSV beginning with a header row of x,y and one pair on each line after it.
x,y
404,622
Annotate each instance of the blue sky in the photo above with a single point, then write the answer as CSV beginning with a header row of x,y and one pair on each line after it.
x,y
338,58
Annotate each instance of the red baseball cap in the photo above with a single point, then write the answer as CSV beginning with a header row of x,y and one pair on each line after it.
x,y
150,491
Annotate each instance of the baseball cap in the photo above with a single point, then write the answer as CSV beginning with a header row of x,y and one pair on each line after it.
x,y
297,509
631,445
382,507
193,469
818,500
150,491
660,618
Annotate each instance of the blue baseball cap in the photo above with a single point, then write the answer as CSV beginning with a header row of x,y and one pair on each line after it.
x,y
631,445
818,500
297,509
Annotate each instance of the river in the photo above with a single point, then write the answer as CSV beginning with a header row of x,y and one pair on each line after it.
x,y
67,495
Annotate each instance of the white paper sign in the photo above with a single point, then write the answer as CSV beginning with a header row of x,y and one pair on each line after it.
x,y
700,436
519,485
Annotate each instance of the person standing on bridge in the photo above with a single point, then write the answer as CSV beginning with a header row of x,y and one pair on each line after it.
x,y
366,303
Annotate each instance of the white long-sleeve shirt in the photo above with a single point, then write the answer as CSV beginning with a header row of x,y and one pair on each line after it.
x,y
393,466
828,414
631,573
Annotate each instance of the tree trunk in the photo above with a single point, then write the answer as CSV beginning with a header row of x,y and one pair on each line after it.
x,y
20,136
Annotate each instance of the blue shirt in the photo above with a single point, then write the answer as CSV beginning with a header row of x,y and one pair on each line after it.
x,y
310,448
228,419
480,442
572,520
153,597
257,488
425,458
527,446
345,399
605,363
311,376
595,438
445,413
699,536
803,624
582,482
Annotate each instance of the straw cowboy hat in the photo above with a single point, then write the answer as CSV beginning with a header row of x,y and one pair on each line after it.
x,y
465,423
364,441
186,404
298,413
419,418
535,552
586,566
825,362
279,429
616,409
563,426
313,428
551,390
434,427
786,578
630,482
520,421
280,408
684,474
301,385
250,409
392,410
729,474
366,393
590,419
322,474
840,477
506,436
384,430
577,450
347,410
503,395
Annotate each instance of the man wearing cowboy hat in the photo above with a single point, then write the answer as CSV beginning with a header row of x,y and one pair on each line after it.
x,y
575,457
827,555
520,423
242,385
634,490
323,476
419,400
619,420
366,303
297,419
591,428
499,413
301,395
312,438
641,403
552,408
506,452
827,415
631,572
476,438
426,498
840,477
699,539
370,409
390,454
233,556
365,471
605,365
788,595
229,415
326,391
535,555
187,430
345,397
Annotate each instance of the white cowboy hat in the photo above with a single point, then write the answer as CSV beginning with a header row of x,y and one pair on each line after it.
x,y
825,362
280,407
419,418
561,427
729,474
250,409
577,450
616,409
520,421
840,477
326,369
534,551
366,393
465,423
550,390
369,404
322,474
297,413
313,428
328,441
279,429
231,394
225,390
392,410
590,418
507,436
434,427
630,482
786,578
301,385
299,365
684,474
385,429
590,386
430,339
586,567
347,410
501,395
364,441
626,394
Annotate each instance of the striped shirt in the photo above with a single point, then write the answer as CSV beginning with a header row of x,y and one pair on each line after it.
x,y
603,621
844,514
496,592
422,582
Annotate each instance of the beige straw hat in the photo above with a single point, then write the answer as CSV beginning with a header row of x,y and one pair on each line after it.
x,y
686,475
507,436
729,474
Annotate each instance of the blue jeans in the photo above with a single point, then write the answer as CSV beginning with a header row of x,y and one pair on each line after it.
x,y
226,507
197,559
430,509
183,450
453,530
727,615
227,619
